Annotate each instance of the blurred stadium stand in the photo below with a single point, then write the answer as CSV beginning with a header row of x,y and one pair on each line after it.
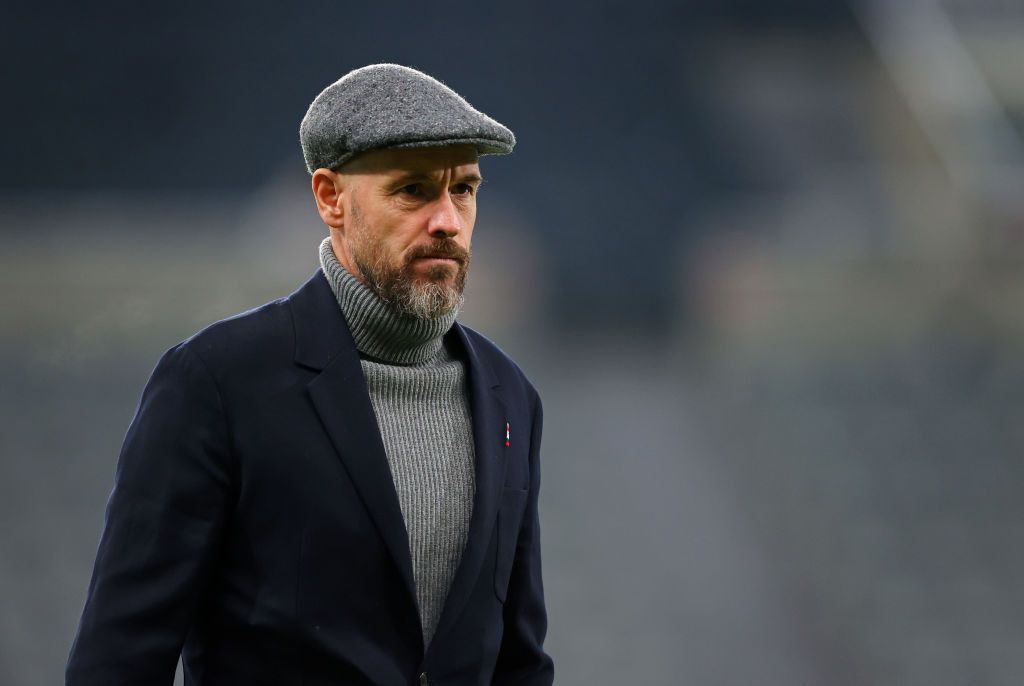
x,y
763,260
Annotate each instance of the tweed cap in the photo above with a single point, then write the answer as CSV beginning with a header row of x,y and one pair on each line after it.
x,y
391,106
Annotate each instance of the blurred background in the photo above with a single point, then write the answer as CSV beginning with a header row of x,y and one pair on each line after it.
x,y
763,259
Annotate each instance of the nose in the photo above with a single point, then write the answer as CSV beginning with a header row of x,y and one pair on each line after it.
x,y
444,221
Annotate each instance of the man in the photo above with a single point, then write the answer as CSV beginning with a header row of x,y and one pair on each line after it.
x,y
338,487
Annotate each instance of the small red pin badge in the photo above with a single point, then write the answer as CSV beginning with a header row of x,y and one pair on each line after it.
x,y
507,429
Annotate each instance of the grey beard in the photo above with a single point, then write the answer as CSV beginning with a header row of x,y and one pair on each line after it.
x,y
405,295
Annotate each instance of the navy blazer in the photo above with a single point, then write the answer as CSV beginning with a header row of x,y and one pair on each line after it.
x,y
254,526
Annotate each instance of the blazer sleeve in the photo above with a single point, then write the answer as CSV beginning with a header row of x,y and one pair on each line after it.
x,y
163,520
522,659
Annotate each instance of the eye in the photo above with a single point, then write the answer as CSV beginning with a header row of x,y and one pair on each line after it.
x,y
463,189
413,189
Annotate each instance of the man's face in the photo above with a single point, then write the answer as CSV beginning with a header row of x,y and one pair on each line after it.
x,y
408,219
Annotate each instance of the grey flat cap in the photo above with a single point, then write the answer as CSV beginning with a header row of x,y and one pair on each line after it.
x,y
391,106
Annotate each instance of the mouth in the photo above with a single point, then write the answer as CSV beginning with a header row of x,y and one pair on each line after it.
x,y
437,260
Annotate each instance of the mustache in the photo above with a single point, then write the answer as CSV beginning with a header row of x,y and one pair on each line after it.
x,y
446,248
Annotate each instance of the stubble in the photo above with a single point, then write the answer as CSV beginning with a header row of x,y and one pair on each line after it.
x,y
422,297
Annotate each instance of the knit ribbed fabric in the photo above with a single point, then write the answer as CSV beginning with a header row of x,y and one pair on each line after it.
x,y
418,392
378,330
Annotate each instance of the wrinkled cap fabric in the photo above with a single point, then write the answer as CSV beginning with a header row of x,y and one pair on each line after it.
x,y
391,106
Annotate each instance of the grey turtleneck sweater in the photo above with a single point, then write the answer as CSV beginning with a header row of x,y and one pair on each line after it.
x,y
418,392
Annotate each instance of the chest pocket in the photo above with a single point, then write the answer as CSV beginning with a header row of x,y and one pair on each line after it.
x,y
510,517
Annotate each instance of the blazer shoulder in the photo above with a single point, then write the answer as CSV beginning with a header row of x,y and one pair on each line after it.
x,y
252,334
508,370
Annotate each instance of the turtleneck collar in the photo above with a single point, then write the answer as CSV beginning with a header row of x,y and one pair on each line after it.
x,y
378,330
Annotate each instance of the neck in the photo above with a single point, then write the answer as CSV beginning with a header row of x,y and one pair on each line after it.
x,y
378,329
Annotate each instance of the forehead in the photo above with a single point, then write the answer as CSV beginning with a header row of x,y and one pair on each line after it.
x,y
397,161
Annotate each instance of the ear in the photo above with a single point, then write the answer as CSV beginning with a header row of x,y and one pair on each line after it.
x,y
328,191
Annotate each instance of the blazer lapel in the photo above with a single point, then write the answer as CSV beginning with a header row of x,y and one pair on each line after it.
x,y
341,398
488,415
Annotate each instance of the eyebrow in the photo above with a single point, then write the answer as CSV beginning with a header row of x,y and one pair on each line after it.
x,y
472,177
417,177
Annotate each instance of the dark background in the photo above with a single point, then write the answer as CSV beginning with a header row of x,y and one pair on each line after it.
x,y
762,259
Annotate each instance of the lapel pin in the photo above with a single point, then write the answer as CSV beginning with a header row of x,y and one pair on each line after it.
x,y
507,429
